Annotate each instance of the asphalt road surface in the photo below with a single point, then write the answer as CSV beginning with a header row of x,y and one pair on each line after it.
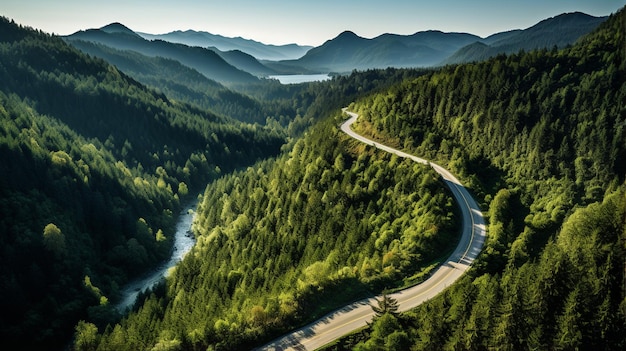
x,y
356,315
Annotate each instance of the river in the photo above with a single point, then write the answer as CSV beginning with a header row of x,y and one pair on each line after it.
x,y
183,242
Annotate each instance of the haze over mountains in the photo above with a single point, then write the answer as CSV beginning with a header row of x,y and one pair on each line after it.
x,y
238,60
435,48
205,61
207,40
558,31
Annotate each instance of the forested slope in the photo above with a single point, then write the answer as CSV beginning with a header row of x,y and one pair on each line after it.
x,y
179,82
541,136
285,241
94,167
538,136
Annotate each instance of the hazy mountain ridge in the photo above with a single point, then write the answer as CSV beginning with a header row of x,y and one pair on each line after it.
x,y
559,31
205,61
349,51
244,62
252,47
178,81
118,28
344,53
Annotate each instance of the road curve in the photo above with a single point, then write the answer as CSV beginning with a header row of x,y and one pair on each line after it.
x,y
356,315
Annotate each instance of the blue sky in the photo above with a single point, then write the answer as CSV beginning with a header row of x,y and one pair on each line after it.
x,y
295,21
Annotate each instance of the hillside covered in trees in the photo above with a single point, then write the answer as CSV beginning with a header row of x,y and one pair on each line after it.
x,y
541,136
97,165
298,219
291,238
94,170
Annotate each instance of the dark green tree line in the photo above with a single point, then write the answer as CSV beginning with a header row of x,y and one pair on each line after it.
x,y
94,167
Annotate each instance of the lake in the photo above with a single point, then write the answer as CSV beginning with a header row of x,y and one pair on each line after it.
x,y
300,78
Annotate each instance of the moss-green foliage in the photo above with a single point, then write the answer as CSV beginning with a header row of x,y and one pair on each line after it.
x,y
547,128
93,166
278,242
570,296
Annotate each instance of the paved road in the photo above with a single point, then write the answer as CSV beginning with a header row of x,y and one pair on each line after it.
x,y
356,315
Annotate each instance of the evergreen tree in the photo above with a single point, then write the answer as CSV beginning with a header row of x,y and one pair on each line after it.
x,y
386,304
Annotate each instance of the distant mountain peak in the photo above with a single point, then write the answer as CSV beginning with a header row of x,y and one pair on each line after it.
x,y
569,17
559,31
348,34
117,27
575,13
346,38
257,49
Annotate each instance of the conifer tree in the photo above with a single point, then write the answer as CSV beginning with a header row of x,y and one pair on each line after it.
x,y
386,304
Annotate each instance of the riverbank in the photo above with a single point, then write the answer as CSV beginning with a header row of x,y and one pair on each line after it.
x,y
183,242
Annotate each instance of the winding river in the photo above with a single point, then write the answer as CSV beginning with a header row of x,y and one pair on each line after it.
x,y
183,242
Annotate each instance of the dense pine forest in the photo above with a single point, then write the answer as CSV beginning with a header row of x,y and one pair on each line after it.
x,y
283,242
96,166
100,148
541,136
538,136
94,170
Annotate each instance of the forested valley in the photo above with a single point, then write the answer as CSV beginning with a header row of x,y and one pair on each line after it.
x,y
94,170
96,167
294,218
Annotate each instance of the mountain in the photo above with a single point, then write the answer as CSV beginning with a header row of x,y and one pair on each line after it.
x,y
204,61
344,53
349,51
118,28
245,62
179,82
94,169
558,31
254,48
539,139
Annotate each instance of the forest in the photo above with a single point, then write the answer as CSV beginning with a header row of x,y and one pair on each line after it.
x,y
540,135
96,167
294,218
89,202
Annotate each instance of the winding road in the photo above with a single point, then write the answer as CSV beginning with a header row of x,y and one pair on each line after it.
x,y
356,315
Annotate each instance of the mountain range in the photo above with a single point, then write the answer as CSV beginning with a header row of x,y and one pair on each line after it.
x,y
558,31
348,51
251,47
237,60
105,136
205,61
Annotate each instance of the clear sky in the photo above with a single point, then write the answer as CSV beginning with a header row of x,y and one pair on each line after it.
x,y
296,21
